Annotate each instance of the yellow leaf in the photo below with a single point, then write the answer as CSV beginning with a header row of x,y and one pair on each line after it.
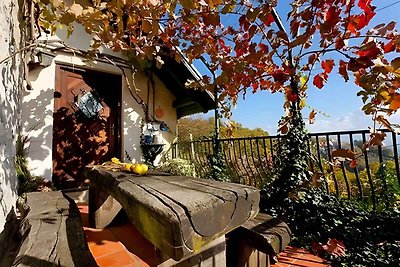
x,y
303,80
67,18
228,8
76,9
385,95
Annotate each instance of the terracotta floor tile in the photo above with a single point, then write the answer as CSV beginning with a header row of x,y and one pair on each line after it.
x,y
102,242
134,242
311,257
298,257
120,259
303,263
280,264
284,257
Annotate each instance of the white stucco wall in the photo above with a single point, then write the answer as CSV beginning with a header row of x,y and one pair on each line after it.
x,y
38,105
10,88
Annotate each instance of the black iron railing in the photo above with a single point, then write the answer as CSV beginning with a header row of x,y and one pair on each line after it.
x,y
375,180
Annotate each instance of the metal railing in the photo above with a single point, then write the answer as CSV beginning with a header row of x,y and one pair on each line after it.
x,y
375,180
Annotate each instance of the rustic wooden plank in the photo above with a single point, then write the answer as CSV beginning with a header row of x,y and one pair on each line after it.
x,y
266,233
56,235
179,215
9,239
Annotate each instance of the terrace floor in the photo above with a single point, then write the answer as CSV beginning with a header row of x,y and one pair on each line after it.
x,y
122,246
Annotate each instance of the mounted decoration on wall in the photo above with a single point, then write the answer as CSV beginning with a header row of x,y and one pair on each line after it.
x,y
159,112
88,104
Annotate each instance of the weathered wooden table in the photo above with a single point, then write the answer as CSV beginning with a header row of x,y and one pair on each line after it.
x,y
180,215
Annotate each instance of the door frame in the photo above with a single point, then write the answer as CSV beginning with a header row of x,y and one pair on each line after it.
x,y
118,120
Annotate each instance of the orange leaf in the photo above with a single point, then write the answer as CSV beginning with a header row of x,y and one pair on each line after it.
x,y
395,103
311,117
383,122
343,70
343,153
377,139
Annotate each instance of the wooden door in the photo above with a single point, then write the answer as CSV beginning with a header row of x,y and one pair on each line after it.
x,y
86,128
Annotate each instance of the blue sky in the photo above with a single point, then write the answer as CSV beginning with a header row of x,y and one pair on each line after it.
x,y
337,99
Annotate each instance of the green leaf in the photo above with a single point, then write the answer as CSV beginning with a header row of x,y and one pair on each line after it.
x,y
228,8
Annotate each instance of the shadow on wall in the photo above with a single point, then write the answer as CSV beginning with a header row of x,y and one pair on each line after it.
x,y
37,110
10,88
132,129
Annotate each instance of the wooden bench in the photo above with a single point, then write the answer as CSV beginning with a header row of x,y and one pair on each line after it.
x,y
51,234
257,242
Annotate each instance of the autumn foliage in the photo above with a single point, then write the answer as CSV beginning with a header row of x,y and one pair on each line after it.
x,y
245,44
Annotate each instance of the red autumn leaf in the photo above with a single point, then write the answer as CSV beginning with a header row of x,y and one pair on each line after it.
x,y
284,128
319,80
357,22
265,84
263,47
317,247
327,65
279,76
223,46
366,6
244,23
365,19
312,58
255,86
332,16
239,51
343,70
369,50
335,247
389,47
353,163
355,64
292,97
269,20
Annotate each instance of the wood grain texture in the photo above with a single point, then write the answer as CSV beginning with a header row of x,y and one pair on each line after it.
x,y
266,233
56,236
178,214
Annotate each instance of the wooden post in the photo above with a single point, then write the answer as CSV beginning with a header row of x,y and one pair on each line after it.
x,y
211,255
102,208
